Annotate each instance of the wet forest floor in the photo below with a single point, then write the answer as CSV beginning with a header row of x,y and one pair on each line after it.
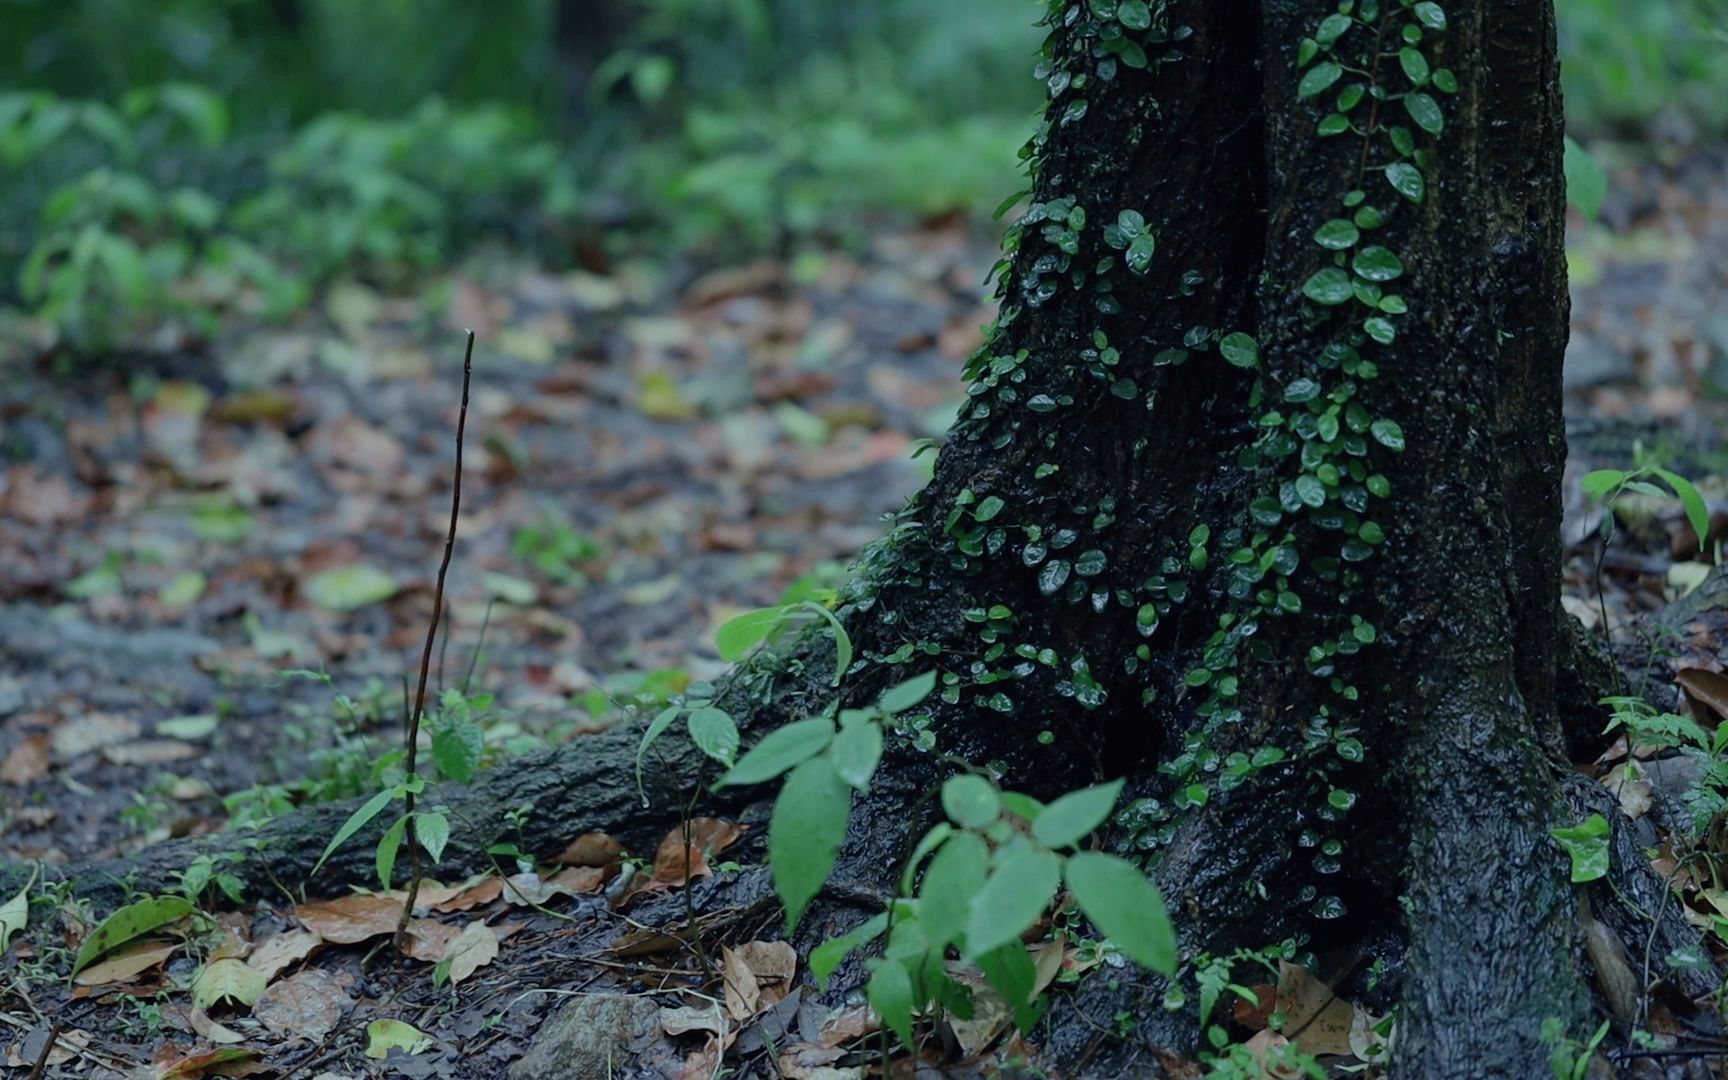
x,y
651,449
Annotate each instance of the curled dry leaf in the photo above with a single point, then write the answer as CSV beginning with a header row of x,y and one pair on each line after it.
x,y
350,920
673,865
1706,690
530,888
171,1063
758,975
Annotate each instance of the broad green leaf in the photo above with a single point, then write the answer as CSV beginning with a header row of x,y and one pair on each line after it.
x,y
1134,14
15,913
1318,78
655,729
988,508
856,752
344,588
388,845
1022,805
933,839
1587,843
1697,512
971,801
383,1036
741,633
432,829
780,750
1240,349
368,810
1598,484
1072,818
826,957
129,922
1430,15
899,698
227,979
714,733
805,832
1013,897
890,994
1012,974
1125,906
953,879
842,640
457,748
1586,181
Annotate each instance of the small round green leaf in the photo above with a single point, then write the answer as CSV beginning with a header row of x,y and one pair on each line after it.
x,y
1330,287
1240,349
1337,234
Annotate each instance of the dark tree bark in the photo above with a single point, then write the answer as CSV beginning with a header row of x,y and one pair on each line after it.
x,y
1325,646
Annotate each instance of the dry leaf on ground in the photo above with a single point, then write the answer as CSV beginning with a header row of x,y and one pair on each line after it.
x,y
307,1006
350,920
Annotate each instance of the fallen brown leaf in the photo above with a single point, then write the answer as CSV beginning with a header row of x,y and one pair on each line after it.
x,y
127,963
590,849
27,762
275,953
307,1006
350,920
1706,688
474,948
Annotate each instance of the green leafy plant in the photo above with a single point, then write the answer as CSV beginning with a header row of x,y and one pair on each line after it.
x,y
1606,486
992,868
1569,1057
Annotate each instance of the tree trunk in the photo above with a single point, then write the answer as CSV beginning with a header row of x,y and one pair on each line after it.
x,y
1255,503
1264,514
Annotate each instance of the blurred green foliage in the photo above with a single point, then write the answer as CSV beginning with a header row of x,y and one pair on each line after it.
x,y
183,159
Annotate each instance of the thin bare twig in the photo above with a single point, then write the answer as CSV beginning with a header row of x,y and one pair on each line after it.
x,y
412,735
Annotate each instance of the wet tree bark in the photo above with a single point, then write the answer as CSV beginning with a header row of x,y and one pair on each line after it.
x,y
1255,503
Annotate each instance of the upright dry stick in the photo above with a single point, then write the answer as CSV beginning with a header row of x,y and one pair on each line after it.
x,y
413,732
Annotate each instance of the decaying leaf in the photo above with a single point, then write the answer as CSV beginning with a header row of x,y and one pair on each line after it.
x,y
171,1063
306,1006
708,836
